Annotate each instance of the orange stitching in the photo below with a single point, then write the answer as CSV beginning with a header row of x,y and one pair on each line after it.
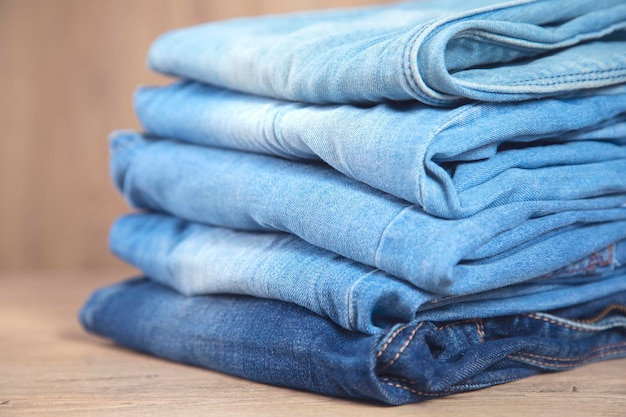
x,y
597,318
393,336
556,358
605,312
403,347
609,350
567,365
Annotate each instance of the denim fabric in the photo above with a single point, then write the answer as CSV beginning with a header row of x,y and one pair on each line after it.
x,y
494,248
452,162
440,53
283,344
195,259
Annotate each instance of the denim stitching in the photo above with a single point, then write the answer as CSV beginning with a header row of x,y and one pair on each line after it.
x,y
404,387
390,339
351,301
479,330
412,47
579,78
390,382
407,70
604,313
456,387
610,347
406,343
562,362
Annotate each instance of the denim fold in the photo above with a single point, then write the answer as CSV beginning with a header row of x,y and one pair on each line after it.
x,y
283,344
440,53
196,259
245,191
452,162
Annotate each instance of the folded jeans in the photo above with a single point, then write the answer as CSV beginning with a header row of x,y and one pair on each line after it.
x,y
496,247
441,53
452,162
196,259
283,344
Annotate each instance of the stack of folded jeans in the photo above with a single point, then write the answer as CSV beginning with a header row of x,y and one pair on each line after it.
x,y
388,203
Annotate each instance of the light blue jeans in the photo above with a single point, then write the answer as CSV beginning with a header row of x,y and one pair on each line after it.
x,y
197,259
496,247
452,162
441,53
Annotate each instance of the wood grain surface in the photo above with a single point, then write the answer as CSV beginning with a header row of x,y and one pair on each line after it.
x,y
68,69
50,367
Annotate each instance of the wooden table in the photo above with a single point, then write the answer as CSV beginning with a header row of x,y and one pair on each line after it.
x,y
50,366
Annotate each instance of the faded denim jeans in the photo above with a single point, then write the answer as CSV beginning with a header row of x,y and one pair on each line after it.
x,y
196,259
283,344
496,247
452,162
441,53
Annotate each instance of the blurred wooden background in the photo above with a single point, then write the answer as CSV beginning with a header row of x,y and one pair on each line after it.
x,y
67,72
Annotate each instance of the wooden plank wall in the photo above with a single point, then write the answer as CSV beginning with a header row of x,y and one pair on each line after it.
x,y
67,72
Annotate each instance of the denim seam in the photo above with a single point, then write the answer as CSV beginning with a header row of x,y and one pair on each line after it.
x,y
414,391
395,382
458,388
400,351
573,326
496,39
410,52
590,356
390,339
605,312
412,47
503,40
479,330
586,76
607,348
412,382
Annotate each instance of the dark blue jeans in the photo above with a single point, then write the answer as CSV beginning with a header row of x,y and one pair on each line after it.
x,y
283,344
